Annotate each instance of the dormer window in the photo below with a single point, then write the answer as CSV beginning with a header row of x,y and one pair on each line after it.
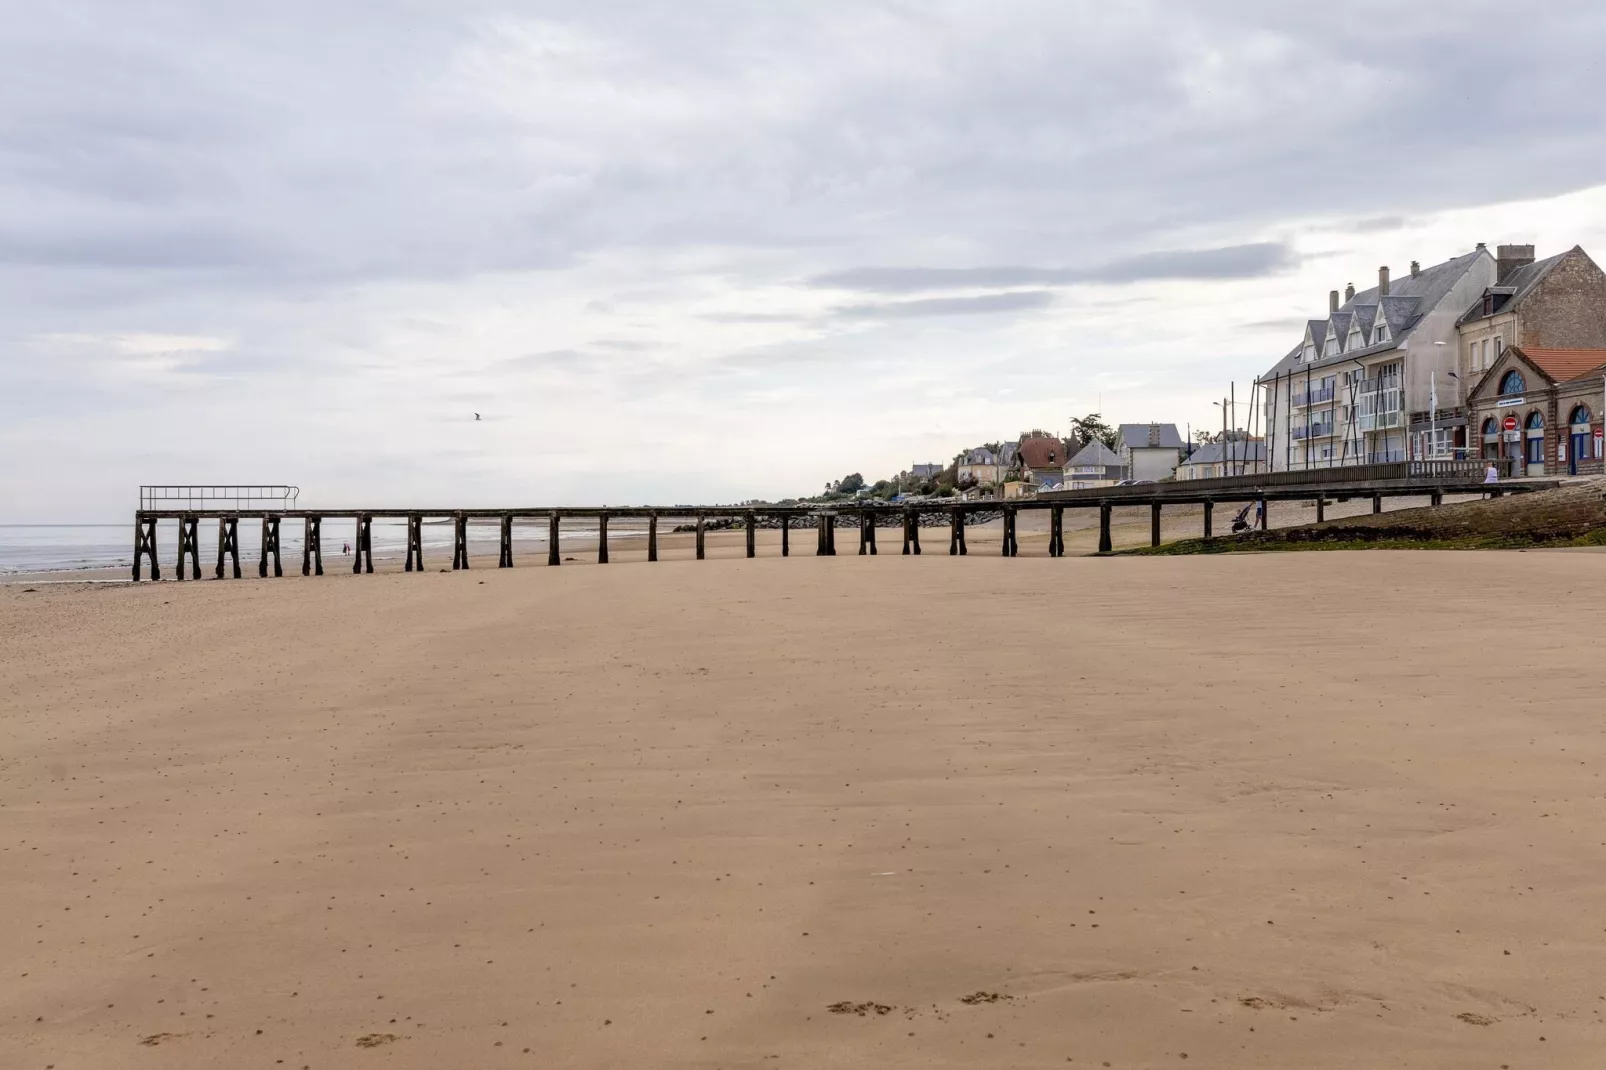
x,y
1310,352
1332,348
1354,339
1381,334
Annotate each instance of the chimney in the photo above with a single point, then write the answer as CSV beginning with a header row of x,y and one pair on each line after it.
x,y
1349,292
1154,434
1332,302
1383,281
1511,257
1416,269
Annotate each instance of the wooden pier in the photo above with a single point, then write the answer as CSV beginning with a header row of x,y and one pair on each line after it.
x,y
270,506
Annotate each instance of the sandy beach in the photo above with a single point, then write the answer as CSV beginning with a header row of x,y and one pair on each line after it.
x,y
1316,810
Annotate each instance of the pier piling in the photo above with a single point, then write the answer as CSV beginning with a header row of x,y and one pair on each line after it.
x,y
864,532
552,557
1265,513
415,543
652,537
362,558
505,559
956,533
1105,545
1321,509
1056,531
228,544
312,546
145,543
786,536
752,534
459,542
1209,511
602,538
189,542
1154,524
270,548
1377,503
700,526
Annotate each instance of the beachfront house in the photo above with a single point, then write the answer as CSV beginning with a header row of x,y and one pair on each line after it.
x,y
1236,458
1541,408
1149,451
1347,391
1042,460
1095,465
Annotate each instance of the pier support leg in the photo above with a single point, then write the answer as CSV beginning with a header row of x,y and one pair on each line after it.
x,y
872,534
228,545
1105,545
652,537
145,543
786,535
270,548
1377,503
363,558
830,536
906,529
700,547
1011,546
312,546
1436,498
864,532
953,533
602,538
1209,511
959,531
1056,531
1321,510
914,531
459,542
552,557
189,542
1265,514
752,535
505,558
1154,524
415,543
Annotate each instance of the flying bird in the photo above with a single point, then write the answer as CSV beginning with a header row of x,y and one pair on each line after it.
x,y
476,416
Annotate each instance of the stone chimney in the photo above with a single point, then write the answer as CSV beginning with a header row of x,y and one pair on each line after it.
x,y
1349,292
1383,281
1482,247
1154,434
1511,257
1416,269
1332,302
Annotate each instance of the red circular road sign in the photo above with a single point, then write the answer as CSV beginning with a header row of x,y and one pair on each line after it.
x,y
1510,423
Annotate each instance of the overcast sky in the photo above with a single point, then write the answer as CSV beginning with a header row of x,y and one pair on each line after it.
x,y
708,250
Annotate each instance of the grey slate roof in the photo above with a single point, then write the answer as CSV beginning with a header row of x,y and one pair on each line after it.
x,y
1136,436
1365,315
1410,297
1094,454
1247,452
1518,285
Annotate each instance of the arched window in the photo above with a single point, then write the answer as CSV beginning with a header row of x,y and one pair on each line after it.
x,y
1581,415
1536,438
1536,421
1491,428
1512,383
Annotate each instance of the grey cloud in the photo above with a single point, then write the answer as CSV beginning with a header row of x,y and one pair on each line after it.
x,y
1007,301
1231,262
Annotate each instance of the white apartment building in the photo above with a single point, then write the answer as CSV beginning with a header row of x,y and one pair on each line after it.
x,y
1347,393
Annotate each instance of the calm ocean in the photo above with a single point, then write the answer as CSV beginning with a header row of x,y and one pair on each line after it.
x,y
105,551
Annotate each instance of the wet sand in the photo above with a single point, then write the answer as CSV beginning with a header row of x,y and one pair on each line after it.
x,y
1317,810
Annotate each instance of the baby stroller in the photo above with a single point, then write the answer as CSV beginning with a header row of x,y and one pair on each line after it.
x,y
1240,522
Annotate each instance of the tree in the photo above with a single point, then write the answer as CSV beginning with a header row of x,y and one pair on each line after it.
x,y
1203,436
851,484
1091,428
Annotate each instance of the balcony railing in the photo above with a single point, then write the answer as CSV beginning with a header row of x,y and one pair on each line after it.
x,y
1380,421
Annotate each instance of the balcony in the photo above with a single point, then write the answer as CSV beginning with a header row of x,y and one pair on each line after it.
x,y
1316,395
1381,421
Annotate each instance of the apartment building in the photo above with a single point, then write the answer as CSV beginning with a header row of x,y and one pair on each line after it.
x,y
1346,392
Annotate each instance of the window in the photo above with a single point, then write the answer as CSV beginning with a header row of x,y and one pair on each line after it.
x,y
1332,347
1499,347
1491,428
1381,334
1581,415
1354,339
1536,438
1536,421
1512,383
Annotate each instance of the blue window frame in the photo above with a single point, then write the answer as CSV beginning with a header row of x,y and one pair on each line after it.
x,y
1512,383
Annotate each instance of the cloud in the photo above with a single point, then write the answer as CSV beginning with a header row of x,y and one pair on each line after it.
x,y
981,304
1231,262
697,220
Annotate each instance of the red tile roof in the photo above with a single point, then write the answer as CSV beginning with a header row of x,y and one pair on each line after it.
x,y
1562,364
1042,453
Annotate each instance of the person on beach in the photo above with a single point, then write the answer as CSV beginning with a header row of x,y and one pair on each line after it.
x,y
1491,474
345,548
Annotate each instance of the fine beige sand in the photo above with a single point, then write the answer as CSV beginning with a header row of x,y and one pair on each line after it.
x,y
1294,810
